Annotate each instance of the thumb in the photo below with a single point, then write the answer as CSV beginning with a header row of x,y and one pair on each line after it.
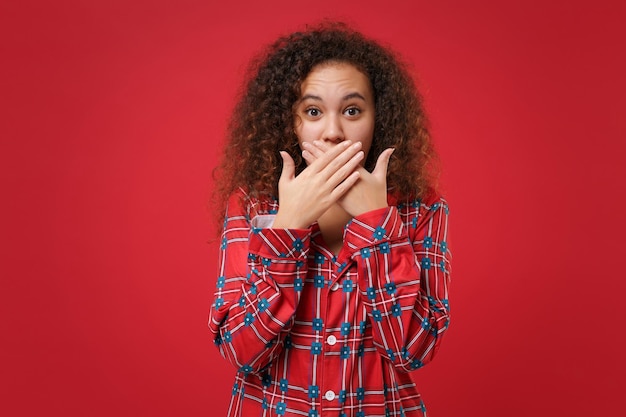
x,y
380,170
289,167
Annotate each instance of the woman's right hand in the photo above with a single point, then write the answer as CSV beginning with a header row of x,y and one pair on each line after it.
x,y
304,198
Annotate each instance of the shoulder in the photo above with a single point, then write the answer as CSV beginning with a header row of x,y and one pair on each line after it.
x,y
424,214
431,202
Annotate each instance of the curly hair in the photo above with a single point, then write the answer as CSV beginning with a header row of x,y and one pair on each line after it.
x,y
262,123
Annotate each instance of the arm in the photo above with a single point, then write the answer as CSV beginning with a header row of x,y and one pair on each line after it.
x,y
261,270
404,273
255,298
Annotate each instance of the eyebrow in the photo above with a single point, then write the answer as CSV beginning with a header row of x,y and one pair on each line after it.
x,y
344,98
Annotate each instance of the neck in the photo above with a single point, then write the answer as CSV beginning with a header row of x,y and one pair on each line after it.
x,y
331,224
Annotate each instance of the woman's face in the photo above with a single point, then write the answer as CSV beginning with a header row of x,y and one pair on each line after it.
x,y
336,104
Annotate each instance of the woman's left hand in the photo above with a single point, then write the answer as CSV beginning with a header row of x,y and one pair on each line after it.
x,y
369,192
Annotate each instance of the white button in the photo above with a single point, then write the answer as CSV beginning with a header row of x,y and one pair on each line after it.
x,y
334,287
331,340
329,395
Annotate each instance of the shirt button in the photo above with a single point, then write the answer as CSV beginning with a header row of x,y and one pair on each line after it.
x,y
330,395
331,340
334,287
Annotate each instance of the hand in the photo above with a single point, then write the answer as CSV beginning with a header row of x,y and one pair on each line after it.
x,y
303,199
369,192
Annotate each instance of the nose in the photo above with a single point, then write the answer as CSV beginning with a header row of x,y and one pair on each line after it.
x,y
333,131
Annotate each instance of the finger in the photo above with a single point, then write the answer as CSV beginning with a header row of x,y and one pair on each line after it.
x,y
347,148
345,186
380,170
319,148
308,157
344,169
313,149
289,167
338,161
322,145
312,152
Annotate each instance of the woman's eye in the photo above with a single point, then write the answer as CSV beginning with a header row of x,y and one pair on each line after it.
x,y
312,112
352,111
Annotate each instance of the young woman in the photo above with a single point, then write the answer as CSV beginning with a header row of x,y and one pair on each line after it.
x,y
334,264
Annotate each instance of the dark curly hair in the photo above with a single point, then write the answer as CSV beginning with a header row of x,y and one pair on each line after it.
x,y
262,122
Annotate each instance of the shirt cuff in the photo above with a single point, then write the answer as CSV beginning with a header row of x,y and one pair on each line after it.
x,y
263,221
273,243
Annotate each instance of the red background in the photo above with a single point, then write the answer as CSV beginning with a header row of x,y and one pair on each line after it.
x,y
112,114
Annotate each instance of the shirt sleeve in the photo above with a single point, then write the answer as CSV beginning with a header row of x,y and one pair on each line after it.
x,y
404,275
255,299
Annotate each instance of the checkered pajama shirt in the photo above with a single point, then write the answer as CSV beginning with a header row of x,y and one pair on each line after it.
x,y
312,333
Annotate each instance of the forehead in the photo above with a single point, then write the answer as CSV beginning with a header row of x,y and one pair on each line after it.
x,y
332,76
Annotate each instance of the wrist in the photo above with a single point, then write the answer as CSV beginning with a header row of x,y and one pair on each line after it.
x,y
285,221
368,206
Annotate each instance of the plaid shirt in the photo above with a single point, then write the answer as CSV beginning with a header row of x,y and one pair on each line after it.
x,y
314,334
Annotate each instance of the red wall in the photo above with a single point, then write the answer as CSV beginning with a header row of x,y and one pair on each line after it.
x,y
112,113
